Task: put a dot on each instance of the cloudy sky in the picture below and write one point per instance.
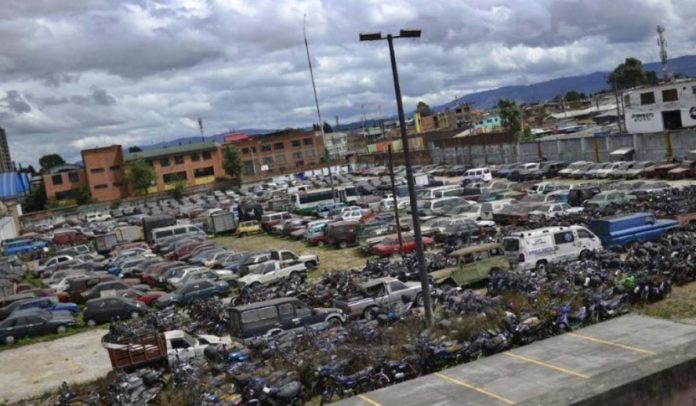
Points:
(83, 73)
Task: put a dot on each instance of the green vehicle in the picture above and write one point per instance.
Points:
(604, 199)
(474, 264)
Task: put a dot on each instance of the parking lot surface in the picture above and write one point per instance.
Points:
(32, 370)
(544, 367)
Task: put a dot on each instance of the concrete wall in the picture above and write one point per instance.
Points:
(647, 147)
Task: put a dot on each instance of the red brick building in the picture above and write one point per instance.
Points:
(62, 180)
(105, 173)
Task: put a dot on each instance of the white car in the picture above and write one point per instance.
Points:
(550, 210)
(182, 346)
(272, 271)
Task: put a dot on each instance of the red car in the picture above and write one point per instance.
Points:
(390, 244)
(69, 236)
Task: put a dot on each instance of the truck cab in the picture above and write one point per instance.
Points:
(182, 346)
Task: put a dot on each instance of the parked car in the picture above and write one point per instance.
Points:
(100, 287)
(471, 265)
(607, 198)
(376, 293)
(390, 245)
(639, 169)
(569, 170)
(69, 236)
(34, 322)
(106, 309)
(551, 210)
(201, 289)
(686, 169)
(271, 272)
(622, 231)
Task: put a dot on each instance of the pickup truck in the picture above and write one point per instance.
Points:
(378, 293)
(271, 272)
(286, 257)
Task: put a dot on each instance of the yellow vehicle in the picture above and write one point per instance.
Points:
(474, 264)
(249, 227)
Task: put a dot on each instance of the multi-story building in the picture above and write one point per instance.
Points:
(336, 144)
(105, 173)
(667, 106)
(195, 164)
(62, 180)
(280, 153)
(5, 158)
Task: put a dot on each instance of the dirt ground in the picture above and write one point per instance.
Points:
(329, 258)
(32, 370)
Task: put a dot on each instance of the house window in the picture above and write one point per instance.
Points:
(278, 146)
(248, 168)
(297, 155)
(114, 168)
(73, 177)
(297, 143)
(627, 101)
(309, 153)
(308, 141)
(206, 155)
(299, 164)
(57, 179)
(268, 161)
(203, 172)
(280, 159)
(265, 148)
(179, 160)
(102, 186)
(647, 98)
(245, 151)
(164, 161)
(96, 170)
(670, 95)
(195, 157)
(174, 177)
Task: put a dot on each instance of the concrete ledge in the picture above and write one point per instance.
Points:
(667, 378)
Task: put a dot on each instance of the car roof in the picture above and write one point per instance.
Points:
(266, 303)
(377, 281)
(475, 248)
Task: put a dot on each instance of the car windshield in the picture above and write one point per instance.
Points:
(511, 244)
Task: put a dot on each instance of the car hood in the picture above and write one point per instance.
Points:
(249, 279)
(168, 297)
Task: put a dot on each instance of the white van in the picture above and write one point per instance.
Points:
(96, 216)
(437, 192)
(180, 229)
(478, 174)
(536, 249)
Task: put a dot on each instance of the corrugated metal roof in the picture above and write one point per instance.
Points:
(179, 149)
(14, 184)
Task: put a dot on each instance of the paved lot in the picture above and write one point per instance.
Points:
(32, 370)
(541, 368)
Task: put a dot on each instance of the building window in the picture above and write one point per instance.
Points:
(164, 161)
(206, 155)
(309, 153)
(308, 141)
(202, 172)
(174, 177)
(299, 164)
(73, 177)
(248, 168)
(114, 168)
(627, 101)
(265, 148)
(670, 95)
(179, 160)
(96, 170)
(102, 186)
(297, 155)
(278, 146)
(280, 159)
(63, 195)
(117, 184)
(647, 98)
(195, 157)
(57, 179)
(693, 89)
(297, 143)
(245, 151)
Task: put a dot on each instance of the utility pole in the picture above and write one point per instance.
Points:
(662, 43)
(316, 102)
(396, 203)
(618, 109)
(200, 127)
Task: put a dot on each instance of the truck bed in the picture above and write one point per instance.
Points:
(142, 350)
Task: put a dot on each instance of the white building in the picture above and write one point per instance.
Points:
(668, 106)
(337, 144)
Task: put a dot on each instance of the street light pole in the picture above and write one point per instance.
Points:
(425, 286)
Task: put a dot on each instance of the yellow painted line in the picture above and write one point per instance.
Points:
(547, 365)
(472, 387)
(612, 343)
(369, 401)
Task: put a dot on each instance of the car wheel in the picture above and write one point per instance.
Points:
(370, 313)
(584, 254)
(9, 340)
(335, 322)
(342, 245)
(541, 266)
(311, 264)
(254, 285)
(420, 302)
(91, 323)
(135, 315)
(61, 330)
(295, 277)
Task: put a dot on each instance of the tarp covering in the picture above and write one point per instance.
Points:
(14, 184)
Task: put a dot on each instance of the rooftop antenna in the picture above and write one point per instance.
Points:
(200, 127)
(662, 43)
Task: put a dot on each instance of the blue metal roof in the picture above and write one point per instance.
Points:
(14, 184)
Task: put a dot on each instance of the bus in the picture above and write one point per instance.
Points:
(306, 202)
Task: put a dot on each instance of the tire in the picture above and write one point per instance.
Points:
(254, 285)
(311, 264)
(61, 330)
(583, 255)
(9, 340)
(342, 245)
(135, 315)
(91, 323)
(335, 322)
(541, 266)
(420, 302)
(295, 277)
(370, 313)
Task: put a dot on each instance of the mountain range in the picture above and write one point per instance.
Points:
(590, 83)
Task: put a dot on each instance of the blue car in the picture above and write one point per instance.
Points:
(39, 303)
(24, 246)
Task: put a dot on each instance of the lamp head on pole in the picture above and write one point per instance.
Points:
(370, 36)
(410, 33)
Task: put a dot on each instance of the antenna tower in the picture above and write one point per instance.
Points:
(662, 43)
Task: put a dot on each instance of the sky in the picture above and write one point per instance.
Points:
(84, 73)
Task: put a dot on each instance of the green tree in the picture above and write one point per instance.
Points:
(35, 200)
(630, 74)
(510, 116)
(423, 108)
(232, 163)
(81, 195)
(527, 134)
(49, 161)
(134, 149)
(573, 95)
(179, 189)
(140, 175)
